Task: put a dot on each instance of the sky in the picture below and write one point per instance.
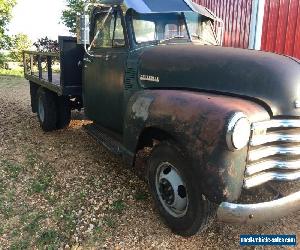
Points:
(38, 18)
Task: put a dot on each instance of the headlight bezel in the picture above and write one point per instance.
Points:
(232, 124)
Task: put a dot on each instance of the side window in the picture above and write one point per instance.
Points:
(144, 30)
(171, 30)
(108, 31)
(102, 32)
(118, 39)
(177, 29)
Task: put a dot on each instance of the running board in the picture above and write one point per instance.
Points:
(103, 137)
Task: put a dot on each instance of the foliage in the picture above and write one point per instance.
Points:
(74, 8)
(5, 41)
(19, 43)
(46, 45)
(3, 59)
(6, 7)
(13, 72)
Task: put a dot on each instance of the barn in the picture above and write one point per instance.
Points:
(269, 25)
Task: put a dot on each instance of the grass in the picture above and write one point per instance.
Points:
(35, 211)
(66, 217)
(98, 230)
(43, 179)
(82, 195)
(20, 245)
(49, 238)
(11, 80)
(51, 198)
(33, 226)
(140, 196)
(110, 222)
(6, 208)
(97, 238)
(11, 195)
(2, 186)
(118, 206)
(7, 196)
(69, 218)
(31, 158)
(15, 232)
(41, 183)
(13, 72)
(12, 169)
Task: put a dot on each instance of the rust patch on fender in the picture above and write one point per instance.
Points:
(141, 106)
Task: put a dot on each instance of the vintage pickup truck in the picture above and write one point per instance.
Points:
(152, 74)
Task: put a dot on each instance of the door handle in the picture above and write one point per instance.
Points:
(107, 57)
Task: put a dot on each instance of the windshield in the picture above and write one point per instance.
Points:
(173, 27)
(159, 27)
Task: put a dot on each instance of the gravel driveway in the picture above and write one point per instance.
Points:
(62, 189)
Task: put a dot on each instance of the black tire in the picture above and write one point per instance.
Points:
(46, 101)
(63, 113)
(198, 211)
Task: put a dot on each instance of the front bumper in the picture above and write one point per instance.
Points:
(260, 212)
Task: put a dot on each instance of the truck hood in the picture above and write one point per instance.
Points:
(271, 79)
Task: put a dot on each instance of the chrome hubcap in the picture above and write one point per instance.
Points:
(41, 110)
(171, 190)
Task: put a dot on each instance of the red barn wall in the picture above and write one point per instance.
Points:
(281, 28)
(236, 15)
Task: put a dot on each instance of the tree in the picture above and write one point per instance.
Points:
(46, 45)
(6, 7)
(19, 43)
(3, 58)
(74, 8)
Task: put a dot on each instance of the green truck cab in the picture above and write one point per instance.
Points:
(153, 74)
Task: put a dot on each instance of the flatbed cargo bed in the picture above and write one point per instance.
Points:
(58, 72)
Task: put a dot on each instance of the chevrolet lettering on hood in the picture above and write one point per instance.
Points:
(149, 78)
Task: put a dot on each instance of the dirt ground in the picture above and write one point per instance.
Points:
(63, 190)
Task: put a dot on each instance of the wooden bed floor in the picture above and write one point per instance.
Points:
(55, 77)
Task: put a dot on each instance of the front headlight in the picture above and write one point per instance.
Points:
(238, 131)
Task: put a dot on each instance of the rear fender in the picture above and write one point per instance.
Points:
(33, 96)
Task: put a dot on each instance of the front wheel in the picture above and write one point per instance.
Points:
(175, 191)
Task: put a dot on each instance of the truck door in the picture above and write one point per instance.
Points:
(104, 71)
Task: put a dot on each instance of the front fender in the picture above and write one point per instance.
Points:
(198, 122)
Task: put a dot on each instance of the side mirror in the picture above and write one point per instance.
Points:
(83, 29)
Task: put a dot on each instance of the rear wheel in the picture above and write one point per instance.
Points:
(176, 193)
(46, 110)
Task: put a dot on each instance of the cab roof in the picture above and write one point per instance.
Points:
(161, 6)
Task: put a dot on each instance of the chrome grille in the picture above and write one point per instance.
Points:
(274, 152)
